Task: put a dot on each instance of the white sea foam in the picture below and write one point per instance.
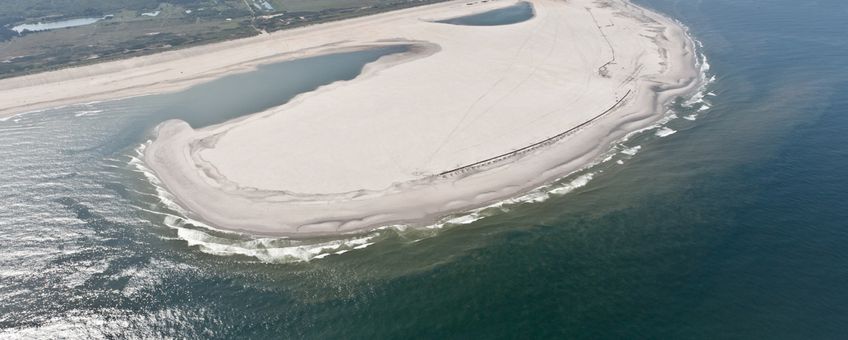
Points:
(638, 132)
(86, 113)
(631, 151)
(662, 121)
(579, 182)
(697, 98)
(164, 195)
(361, 246)
(269, 250)
(537, 195)
(544, 193)
(704, 70)
(669, 117)
(665, 131)
(396, 227)
(464, 219)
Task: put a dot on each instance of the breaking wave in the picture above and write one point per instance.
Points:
(210, 240)
(665, 131)
(214, 241)
(632, 151)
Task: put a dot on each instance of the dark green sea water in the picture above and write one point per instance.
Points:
(735, 226)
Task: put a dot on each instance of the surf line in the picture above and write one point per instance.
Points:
(531, 147)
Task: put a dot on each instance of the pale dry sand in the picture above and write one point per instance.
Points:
(375, 150)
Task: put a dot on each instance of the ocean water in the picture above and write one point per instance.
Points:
(725, 220)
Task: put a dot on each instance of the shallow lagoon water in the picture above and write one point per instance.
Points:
(232, 96)
(731, 227)
(519, 12)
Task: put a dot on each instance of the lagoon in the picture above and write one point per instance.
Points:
(519, 12)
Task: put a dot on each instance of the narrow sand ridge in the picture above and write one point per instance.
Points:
(470, 115)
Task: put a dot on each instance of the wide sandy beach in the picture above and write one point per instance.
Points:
(468, 116)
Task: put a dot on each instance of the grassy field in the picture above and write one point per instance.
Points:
(137, 27)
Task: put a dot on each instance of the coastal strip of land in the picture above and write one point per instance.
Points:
(469, 115)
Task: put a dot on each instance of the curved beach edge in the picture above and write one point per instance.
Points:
(176, 155)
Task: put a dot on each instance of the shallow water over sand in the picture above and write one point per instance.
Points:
(519, 12)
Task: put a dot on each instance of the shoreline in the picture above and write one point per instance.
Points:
(188, 161)
(174, 70)
(617, 93)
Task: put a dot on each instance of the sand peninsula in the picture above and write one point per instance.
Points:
(467, 116)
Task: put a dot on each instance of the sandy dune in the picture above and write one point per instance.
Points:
(470, 115)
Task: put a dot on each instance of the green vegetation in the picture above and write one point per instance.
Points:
(137, 27)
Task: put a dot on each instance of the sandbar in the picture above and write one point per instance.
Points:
(469, 115)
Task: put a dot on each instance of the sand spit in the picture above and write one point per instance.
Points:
(469, 116)
(474, 115)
